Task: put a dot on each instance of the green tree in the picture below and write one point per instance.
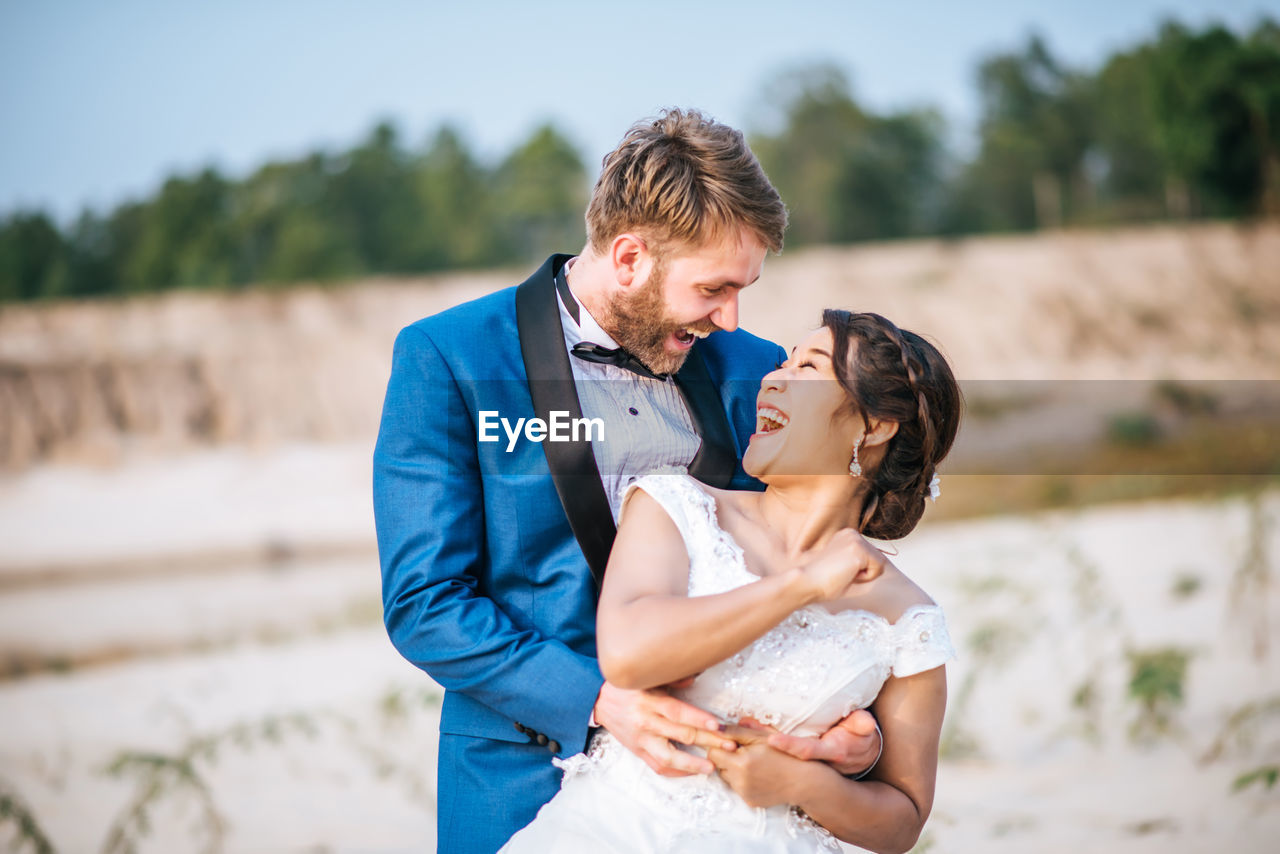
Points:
(33, 258)
(846, 173)
(1035, 130)
(816, 125)
(372, 201)
(456, 226)
(540, 193)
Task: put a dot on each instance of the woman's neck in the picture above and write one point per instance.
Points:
(803, 513)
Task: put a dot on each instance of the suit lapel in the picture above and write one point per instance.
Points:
(572, 464)
(717, 459)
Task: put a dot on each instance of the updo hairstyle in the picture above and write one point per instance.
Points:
(891, 374)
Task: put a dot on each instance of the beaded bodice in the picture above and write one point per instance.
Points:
(815, 667)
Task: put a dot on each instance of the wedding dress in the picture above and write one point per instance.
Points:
(803, 676)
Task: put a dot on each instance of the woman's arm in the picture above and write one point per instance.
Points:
(650, 632)
(884, 813)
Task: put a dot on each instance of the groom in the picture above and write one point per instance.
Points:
(511, 422)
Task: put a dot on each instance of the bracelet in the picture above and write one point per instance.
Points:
(878, 755)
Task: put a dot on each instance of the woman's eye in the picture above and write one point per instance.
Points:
(807, 365)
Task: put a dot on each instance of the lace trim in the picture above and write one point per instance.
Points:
(799, 823)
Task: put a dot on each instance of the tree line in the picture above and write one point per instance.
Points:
(1184, 125)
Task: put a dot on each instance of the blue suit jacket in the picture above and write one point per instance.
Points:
(488, 555)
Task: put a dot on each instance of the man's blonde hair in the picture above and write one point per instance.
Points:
(683, 180)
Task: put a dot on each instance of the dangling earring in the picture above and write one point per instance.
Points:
(855, 467)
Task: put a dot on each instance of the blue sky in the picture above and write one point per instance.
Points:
(99, 101)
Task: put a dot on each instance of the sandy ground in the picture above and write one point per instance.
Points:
(1038, 606)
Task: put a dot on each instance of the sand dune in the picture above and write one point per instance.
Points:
(91, 382)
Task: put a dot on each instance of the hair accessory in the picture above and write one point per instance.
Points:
(855, 467)
(935, 488)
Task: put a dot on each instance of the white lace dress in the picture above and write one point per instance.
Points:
(802, 677)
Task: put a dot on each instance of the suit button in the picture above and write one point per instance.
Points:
(541, 739)
(553, 746)
(521, 728)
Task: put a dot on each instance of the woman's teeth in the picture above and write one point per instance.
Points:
(769, 420)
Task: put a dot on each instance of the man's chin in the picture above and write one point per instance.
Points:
(667, 362)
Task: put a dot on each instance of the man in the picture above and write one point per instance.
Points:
(509, 426)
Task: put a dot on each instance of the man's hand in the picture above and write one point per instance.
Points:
(851, 746)
(647, 722)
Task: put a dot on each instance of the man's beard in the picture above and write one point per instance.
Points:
(640, 324)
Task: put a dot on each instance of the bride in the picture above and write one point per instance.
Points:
(784, 615)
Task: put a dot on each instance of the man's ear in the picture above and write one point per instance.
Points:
(879, 433)
(631, 259)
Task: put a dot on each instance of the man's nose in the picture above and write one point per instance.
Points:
(726, 315)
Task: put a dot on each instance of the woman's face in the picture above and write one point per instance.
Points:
(803, 422)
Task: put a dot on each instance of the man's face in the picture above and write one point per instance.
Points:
(686, 296)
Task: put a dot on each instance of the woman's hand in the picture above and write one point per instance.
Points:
(759, 774)
(847, 558)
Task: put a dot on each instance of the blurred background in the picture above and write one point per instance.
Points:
(214, 218)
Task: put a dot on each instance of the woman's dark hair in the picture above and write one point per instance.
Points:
(895, 375)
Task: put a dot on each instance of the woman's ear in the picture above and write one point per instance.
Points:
(879, 432)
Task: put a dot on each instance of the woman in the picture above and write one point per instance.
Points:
(789, 618)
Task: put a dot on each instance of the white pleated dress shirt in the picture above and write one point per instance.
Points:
(646, 422)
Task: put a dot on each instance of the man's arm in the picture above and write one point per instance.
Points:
(852, 746)
(429, 510)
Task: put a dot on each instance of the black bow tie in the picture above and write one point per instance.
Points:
(619, 357)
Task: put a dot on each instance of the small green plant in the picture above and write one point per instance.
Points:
(1240, 731)
(1134, 429)
(29, 834)
(991, 645)
(1156, 682)
(1186, 585)
(1250, 583)
(160, 775)
(182, 773)
(1265, 776)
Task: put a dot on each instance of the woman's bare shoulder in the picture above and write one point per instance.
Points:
(890, 596)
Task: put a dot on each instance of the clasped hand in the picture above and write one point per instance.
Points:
(767, 765)
(648, 722)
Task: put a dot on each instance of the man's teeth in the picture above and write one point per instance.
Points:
(769, 419)
(695, 333)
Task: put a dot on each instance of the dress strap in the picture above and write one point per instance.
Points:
(716, 563)
(672, 488)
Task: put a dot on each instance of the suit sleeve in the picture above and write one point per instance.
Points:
(429, 512)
